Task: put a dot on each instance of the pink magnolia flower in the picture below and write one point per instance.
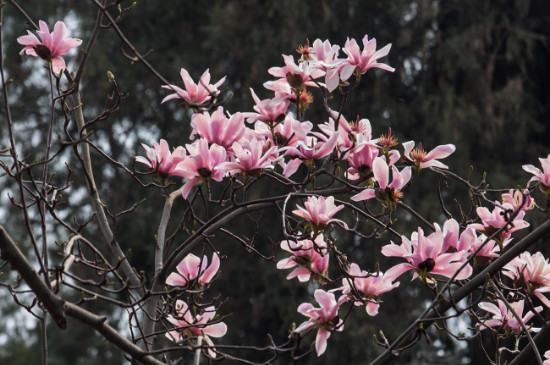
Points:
(467, 242)
(360, 161)
(425, 256)
(491, 221)
(543, 177)
(51, 46)
(453, 239)
(189, 326)
(296, 76)
(161, 159)
(202, 164)
(502, 317)
(364, 287)
(193, 268)
(386, 191)
(488, 252)
(363, 60)
(308, 151)
(423, 160)
(324, 56)
(349, 133)
(251, 158)
(287, 133)
(308, 258)
(319, 211)
(519, 199)
(547, 358)
(268, 110)
(531, 271)
(324, 318)
(194, 94)
(216, 128)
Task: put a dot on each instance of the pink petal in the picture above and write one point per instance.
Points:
(58, 64)
(440, 152)
(211, 270)
(381, 172)
(397, 270)
(325, 299)
(364, 195)
(175, 279)
(216, 330)
(188, 186)
(291, 167)
(347, 71)
(372, 308)
(321, 341)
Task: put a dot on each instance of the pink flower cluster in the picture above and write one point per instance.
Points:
(273, 138)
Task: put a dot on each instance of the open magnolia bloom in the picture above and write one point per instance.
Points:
(194, 94)
(308, 258)
(362, 61)
(203, 164)
(268, 111)
(319, 211)
(194, 268)
(160, 158)
(531, 272)
(217, 128)
(324, 318)
(251, 158)
(297, 76)
(366, 287)
(425, 255)
(519, 199)
(189, 326)
(50, 46)
(309, 150)
(502, 317)
(387, 191)
(543, 177)
(498, 218)
(422, 159)
(324, 56)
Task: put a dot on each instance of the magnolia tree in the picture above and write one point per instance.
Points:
(340, 178)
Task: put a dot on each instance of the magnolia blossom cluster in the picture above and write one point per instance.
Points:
(274, 137)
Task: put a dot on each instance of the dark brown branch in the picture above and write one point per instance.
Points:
(109, 333)
(11, 253)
